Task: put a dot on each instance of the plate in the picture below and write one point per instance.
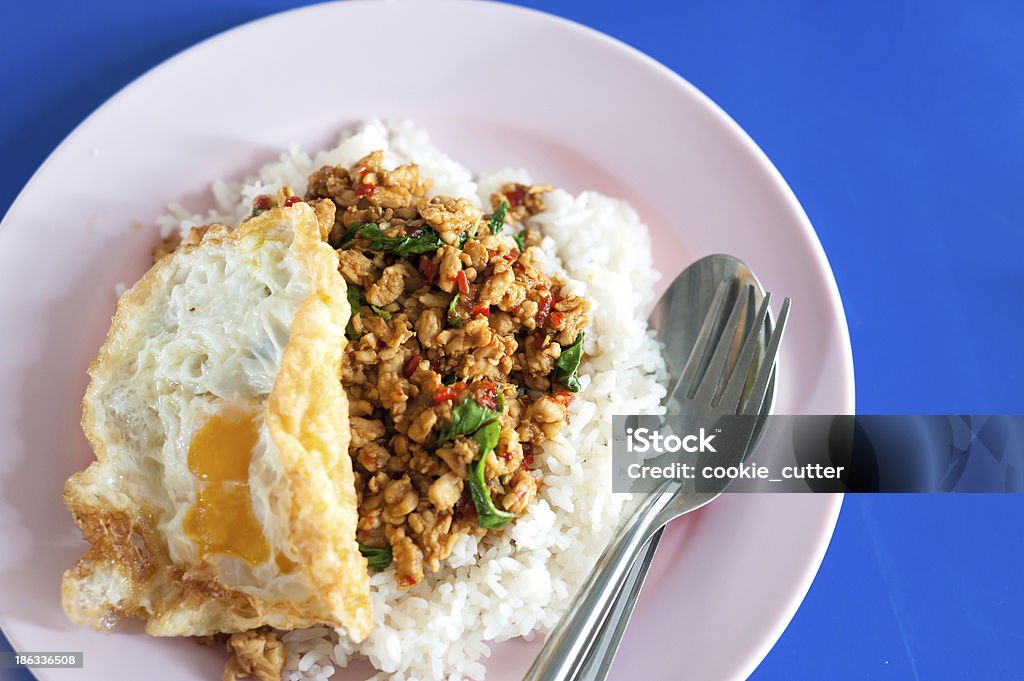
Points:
(517, 87)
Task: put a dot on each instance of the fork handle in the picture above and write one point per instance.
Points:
(568, 643)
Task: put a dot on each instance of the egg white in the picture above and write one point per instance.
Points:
(205, 337)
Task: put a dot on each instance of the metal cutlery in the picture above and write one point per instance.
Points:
(676, 319)
(708, 391)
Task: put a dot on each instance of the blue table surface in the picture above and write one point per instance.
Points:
(899, 126)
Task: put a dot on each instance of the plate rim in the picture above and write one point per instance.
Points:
(823, 269)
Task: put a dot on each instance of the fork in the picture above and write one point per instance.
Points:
(703, 396)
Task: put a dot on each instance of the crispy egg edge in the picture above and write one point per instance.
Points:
(306, 415)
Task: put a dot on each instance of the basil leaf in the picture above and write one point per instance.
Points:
(487, 514)
(498, 217)
(467, 417)
(520, 240)
(568, 365)
(377, 559)
(463, 238)
(427, 241)
(350, 233)
(487, 436)
(383, 314)
(354, 298)
(453, 313)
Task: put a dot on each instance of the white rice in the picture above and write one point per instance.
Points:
(520, 581)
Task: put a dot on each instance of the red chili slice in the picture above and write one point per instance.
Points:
(543, 310)
(487, 394)
(515, 197)
(444, 394)
(462, 282)
(411, 365)
(292, 200)
(366, 189)
(262, 202)
(557, 318)
(484, 310)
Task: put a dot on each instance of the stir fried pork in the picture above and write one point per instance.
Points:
(462, 358)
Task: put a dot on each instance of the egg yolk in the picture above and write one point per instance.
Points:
(285, 564)
(222, 449)
(222, 520)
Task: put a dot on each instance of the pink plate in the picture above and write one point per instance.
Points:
(581, 110)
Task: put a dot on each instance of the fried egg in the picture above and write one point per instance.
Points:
(222, 495)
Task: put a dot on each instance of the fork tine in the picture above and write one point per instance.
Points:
(700, 347)
(713, 376)
(764, 372)
(741, 371)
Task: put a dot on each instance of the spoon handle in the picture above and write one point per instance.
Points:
(568, 643)
(606, 643)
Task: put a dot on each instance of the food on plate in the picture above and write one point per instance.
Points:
(474, 335)
(222, 498)
(461, 361)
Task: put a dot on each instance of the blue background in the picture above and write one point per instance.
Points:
(898, 125)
